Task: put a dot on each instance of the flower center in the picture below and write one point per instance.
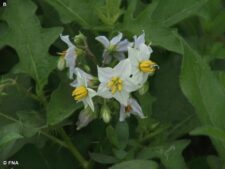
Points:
(128, 109)
(80, 93)
(112, 48)
(115, 84)
(147, 66)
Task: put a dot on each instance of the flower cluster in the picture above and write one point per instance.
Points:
(124, 69)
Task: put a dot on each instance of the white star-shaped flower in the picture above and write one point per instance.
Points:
(115, 82)
(83, 74)
(83, 93)
(132, 108)
(139, 40)
(141, 65)
(69, 55)
(114, 47)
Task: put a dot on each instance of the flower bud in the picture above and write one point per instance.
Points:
(85, 117)
(80, 52)
(61, 64)
(79, 39)
(144, 89)
(87, 68)
(105, 113)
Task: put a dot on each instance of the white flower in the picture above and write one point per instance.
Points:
(83, 93)
(138, 41)
(85, 117)
(141, 65)
(132, 108)
(114, 47)
(83, 74)
(115, 82)
(69, 55)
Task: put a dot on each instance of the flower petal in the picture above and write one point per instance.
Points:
(122, 97)
(103, 91)
(70, 58)
(106, 57)
(123, 45)
(136, 108)
(123, 69)
(123, 114)
(145, 51)
(67, 40)
(91, 92)
(116, 39)
(139, 40)
(88, 101)
(105, 74)
(130, 85)
(80, 80)
(120, 56)
(103, 40)
(74, 83)
(133, 55)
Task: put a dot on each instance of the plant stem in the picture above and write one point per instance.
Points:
(70, 146)
(54, 139)
(89, 52)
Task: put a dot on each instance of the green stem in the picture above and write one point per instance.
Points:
(54, 139)
(70, 146)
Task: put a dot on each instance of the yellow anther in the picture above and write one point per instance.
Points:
(80, 93)
(115, 84)
(62, 54)
(147, 66)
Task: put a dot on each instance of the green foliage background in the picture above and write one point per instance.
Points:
(185, 103)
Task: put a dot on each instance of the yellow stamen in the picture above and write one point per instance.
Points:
(115, 84)
(62, 54)
(147, 66)
(80, 93)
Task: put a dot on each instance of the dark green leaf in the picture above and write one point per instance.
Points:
(169, 14)
(30, 40)
(136, 164)
(210, 131)
(76, 10)
(61, 104)
(204, 91)
(122, 131)
(102, 158)
(169, 154)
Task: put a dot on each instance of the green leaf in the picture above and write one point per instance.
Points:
(204, 91)
(36, 158)
(112, 136)
(122, 131)
(102, 158)
(210, 131)
(110, 12)
(61, 104)
(156, 17)
(9, 133)
(169, 14)
(31, 122)
(75, 10)
(136, 164)
(30, 40)
(169, 154)
(214, 162)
